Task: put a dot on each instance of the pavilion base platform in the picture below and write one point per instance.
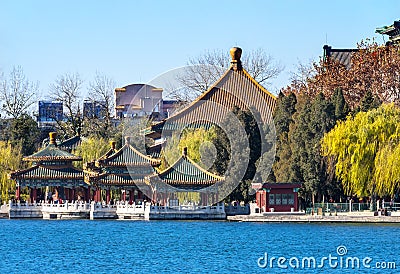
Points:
(23, 210)
(102, 211)
(75, 210)
(125, 211)
(189, 212)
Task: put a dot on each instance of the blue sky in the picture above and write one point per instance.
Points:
(134, 41)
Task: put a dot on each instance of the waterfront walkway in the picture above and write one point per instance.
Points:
(301, 217)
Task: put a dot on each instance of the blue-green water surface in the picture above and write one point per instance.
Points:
(84, 246)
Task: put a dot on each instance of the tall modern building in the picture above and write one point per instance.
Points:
(49, 113)
(94, 109)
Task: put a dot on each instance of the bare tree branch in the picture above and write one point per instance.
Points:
(65, 89)
(101, 91)
(204, 70)
(17, 93)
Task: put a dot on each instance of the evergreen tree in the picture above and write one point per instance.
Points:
(25, 129)
(237, 157)
(311, 123)
(368, 102)
(342, 109)
(283, 119)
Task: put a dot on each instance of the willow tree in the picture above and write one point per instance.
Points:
(366, 148)
(91, 149)
(10, 159)
(198, 143)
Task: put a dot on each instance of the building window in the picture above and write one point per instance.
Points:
(290, 199)
(271, 199)
(285, 199)
(278, 199)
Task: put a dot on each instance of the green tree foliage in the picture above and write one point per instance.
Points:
(198, 142)
(91, 149)
(312, 122)
(25, 128)
(283, 118)
(366, 148)
(368, 102)
(239, 147)
(10, 159)
(299, 132)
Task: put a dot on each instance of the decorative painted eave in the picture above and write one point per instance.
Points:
(110, 179)
(39, 172)
(389, 30)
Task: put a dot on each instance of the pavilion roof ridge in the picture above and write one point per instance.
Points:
(186, 159)
(118, 156)
(50, 153)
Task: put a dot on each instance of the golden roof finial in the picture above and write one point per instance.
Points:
(236, 53)
(53, 136)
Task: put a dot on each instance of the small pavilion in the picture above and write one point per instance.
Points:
(124, 170)
(52, 171)
(183, 182)
(277, 197)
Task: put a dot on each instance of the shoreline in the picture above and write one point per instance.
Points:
(297, 218)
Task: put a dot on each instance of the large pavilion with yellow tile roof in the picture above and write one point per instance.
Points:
(236, 88)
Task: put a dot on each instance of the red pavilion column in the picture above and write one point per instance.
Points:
(124, 195)
(34, 194)
(17, 192)
(108, 196)
(131, 196)
(98, 195)
(73, 194)
(30, 195)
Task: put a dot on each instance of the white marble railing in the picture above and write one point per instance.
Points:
(66, 207)
(19, 205)
(133, 208)
(97, 206)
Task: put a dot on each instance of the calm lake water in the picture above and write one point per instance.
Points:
(83, 246)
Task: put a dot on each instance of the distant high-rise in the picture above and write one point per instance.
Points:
(49, 113)
(94, 109)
